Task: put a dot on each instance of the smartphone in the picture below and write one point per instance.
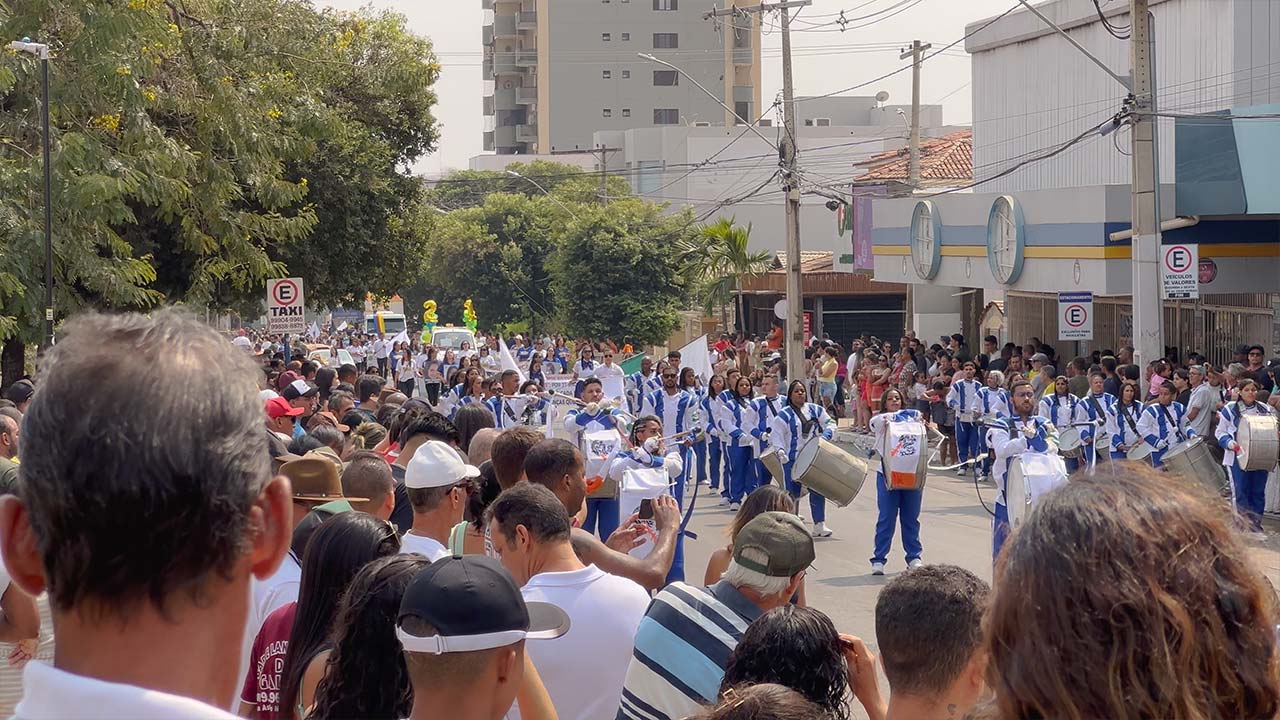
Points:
(646, 510)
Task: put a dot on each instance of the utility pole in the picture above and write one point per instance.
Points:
(916, 53)
(602, 154)
(790, 184)
(1148, 330)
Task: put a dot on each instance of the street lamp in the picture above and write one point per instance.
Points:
(556, 200)
(41, 50)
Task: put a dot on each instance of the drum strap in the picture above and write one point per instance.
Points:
(1165, 411)
(1124, 413)
(1097, 409)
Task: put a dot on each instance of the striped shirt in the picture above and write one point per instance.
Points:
(682, 647)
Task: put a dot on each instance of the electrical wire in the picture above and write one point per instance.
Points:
(1116, 31)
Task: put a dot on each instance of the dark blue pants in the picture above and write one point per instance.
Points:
(715, 462)
(700, 457)
(676, 573)
(968, 440)
(897, 506)
(741, 472)
(999, 531)
(602, 515)
(817, 503)
(1251, 493)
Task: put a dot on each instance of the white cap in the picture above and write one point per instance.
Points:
(265, 395)
(436, 464)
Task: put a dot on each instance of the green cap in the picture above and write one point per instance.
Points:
(780, 538)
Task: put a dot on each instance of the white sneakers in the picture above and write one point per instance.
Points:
(960, 470)
(877, 568)
(734, 506)
(915, 564)
(821, 530)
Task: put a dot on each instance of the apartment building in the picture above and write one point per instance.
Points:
(557, 71)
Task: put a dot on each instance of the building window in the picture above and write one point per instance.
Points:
(664, 4)
(606, 74)
(605, 37)
(742, 109)
(666, 116)
(608, 112)
(626, 37)
(626, 112)
(665, 78)
(626, 74)
(666, 41)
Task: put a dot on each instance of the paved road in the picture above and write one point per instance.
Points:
(955, 529)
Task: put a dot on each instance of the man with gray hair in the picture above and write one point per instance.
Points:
(689, 627)
(143, 530)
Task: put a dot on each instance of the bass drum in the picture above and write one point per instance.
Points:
(829, 471)
(1259, 442)
(1192, 460)
(1030, 477)
(772, 462)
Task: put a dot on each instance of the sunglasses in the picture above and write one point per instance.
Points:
(665, 376)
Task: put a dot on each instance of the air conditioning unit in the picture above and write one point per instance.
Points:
(765, 122)
(701, 123)
(822, 122)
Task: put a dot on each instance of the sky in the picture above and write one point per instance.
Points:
(824, 59)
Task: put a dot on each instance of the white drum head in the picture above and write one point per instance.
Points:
(804, 457)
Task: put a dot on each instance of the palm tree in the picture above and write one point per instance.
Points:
(717, 259)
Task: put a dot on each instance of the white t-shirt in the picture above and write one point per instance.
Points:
(243, 343)
(269, 595)
(1203, 396)
(48, 692)
(584, 669)
(428, 547)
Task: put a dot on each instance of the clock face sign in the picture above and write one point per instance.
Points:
(1006, 243)
(926, 240)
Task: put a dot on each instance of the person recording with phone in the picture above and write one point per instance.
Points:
(649, 450)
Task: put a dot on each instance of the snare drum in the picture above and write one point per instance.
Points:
(1192, 460)
(1070, 443)
(1141, 451)
(1030, 477)
(829, 471)
(1259, 442)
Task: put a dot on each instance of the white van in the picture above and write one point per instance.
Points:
(392, 323)
(448, 337)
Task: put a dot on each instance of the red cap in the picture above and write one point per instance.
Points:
(279, 407)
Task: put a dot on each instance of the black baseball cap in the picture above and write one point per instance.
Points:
(20, 391)
(473, 603)
(297, 389)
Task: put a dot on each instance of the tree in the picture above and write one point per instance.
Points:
(616, 275)
(717, 258)
(568, 183)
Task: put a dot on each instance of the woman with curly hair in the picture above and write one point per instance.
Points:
(799, 648)
(366, 675)
(1127, 594)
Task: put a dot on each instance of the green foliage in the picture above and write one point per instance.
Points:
(717, 257)
(616, 274)
(567, 183)
(201, 147)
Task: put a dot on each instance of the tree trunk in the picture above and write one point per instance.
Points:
(13, 360)
(724, 316)
(742, 317)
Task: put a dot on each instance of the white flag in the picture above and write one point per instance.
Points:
(402, 336)
(509, 362)
(343, 326)
(695, 355)
(315, 329)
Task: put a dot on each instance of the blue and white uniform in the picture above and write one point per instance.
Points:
(639, 386)
(713, 444)
(788, 432)
(965, 400)
(995, 404)
(602, 513)
(1250, 485)
(1163, 427)
(1122, 428)
(675, 410)
(638, 457)
(509, 412)
(467, 400)
(766, 410)
(1009, 440)
(1096, 410)
(736, 421)
(900, 505)
(1064, 412)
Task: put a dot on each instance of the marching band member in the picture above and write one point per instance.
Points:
(640, 384)
(766, 407)
(1250, 485)
(1023, 432)
(454, 398)
(649, 450)
(475, 394)
(537, 404)
(508, 407)
(737, 419)
(1122, 425)
(714, 440)
(690, 383)
(595, 414)
(1094, 408)
(995, 405)
(900, 505)
(1164, 423)
(796, 423)
(1061, 408)
(676, 408)
(964, 397)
